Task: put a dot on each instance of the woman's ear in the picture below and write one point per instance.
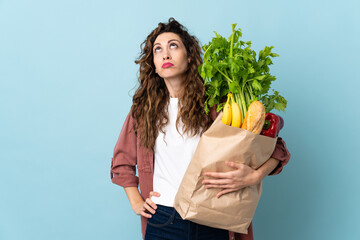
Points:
(188, 60)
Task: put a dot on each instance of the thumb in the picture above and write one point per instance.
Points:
(156, 194)
(233, 164)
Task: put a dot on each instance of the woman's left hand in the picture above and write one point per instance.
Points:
(231, 181)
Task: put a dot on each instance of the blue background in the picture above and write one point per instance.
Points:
(67, 75)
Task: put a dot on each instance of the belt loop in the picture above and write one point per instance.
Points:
(173, 216)
(197, 231)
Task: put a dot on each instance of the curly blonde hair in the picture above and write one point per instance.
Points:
(150, 101)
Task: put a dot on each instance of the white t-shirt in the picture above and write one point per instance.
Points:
(172, 157)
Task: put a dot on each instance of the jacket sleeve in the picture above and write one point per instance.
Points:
(124, 160)
(282, 154)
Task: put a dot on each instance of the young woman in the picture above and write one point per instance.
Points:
(160, 135)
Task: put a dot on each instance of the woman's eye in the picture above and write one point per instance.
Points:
(173, 44)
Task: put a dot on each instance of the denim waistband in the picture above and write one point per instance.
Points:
(169, 210)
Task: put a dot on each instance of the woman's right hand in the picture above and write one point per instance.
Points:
(145, 207)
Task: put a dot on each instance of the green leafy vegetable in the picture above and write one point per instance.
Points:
(231, 66)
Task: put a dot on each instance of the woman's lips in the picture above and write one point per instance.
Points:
(166, 65)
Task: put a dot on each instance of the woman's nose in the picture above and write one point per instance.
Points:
(166, 55)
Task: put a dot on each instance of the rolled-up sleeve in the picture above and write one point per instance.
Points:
(282, 154)
(124, 160)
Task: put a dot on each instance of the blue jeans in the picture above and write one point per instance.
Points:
(166, 224)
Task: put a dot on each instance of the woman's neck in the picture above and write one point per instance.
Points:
(174, 87)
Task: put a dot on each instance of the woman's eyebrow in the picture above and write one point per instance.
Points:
(168, 41)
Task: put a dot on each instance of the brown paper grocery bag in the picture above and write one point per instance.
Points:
(233, 211)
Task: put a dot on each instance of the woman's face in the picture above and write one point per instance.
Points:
(170, 57)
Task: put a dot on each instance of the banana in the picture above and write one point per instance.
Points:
(236, 114)
(227, 112)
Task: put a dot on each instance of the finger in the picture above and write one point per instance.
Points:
(149, 208)
(227, 186)
(143, 213)
(225, 191)
(219, 174)
(151, 203)
(216, 181)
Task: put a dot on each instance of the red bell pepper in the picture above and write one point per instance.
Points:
(273, 124)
